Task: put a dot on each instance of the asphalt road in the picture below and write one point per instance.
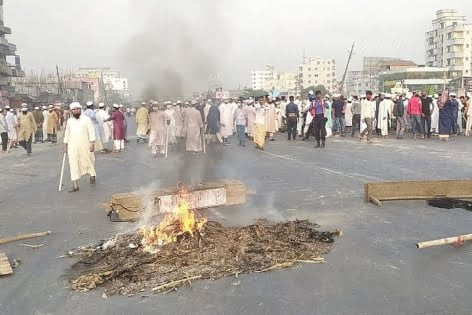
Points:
(373, 269)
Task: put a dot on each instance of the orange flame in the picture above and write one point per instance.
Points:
(182, 220)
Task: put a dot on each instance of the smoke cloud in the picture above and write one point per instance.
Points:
(180, 46)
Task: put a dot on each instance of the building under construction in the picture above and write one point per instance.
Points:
(10, 65)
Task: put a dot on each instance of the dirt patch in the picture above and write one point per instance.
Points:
(122, 267)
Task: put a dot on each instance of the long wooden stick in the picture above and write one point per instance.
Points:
(445, 241)
(62, 171)
(23, 237)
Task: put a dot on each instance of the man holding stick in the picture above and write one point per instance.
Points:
(79, 145)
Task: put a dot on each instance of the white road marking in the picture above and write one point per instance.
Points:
(328, 170)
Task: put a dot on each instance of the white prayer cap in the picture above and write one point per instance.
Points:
(363, 96)
(327, 96)
(452, 94)
(194, 102)
(186, 103)
(311, 92)
(115, 106)
(388, 95)
(101, 104)
(73, 105)
(121, 106)
(45, 107)
(24, 105)
(436, 96)
(430, 95)
(24, 109)
(51, 106)
(209, 100)
(7, 107)
(178, 102)
(143, 103)
(36, 107)
(89, 103)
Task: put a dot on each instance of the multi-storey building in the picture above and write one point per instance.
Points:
(10, 65)
(359, 82)
(260, 78)
(284, 82)
(318, 71)
(449, 44)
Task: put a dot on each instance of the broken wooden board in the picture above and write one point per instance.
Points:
(5, 268)
(417, 190)
(131, 206)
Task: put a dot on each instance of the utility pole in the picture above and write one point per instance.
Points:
(347, 67)
(60, 83)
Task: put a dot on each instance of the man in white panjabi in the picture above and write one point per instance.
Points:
(104, 126)
(169, 113)
(384, 114)
(79, 144)
(226, 121)
(271, 120)
(193, 125)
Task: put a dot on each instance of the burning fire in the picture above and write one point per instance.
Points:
(182, 220)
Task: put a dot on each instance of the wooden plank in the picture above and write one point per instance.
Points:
(5, 268)
(130, 206)
(418, 190)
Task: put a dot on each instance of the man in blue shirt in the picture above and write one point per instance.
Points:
(318, 109)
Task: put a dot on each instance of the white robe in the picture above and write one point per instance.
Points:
(45, 124)
(12, 122)
(348, 115)
(78, 135)
(226, 120)
(383, 118)
(435, 117)
(169, 115)
(104, 126)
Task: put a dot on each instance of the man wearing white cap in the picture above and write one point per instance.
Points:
(178, 120)
(226, 121)
(193, 125)
(142, 123)
(79, 142)
(53, 122)
(90, 113)
(38, 117)
(45, 123)
(118, 129)
(104, 126)
(384, 114)
(26, 129)
(157, 136)
(12, 123)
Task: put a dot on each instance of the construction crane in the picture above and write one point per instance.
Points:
(347, 67)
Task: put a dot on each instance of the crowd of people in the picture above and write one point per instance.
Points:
(164, 125)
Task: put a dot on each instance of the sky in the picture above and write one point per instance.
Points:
(180, 45)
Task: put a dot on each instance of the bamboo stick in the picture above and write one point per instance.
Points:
(445, 241)
(23, 237)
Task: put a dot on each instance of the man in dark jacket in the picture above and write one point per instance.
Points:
(400, 115)
(292, 115)
(426, 103)
(213, 122)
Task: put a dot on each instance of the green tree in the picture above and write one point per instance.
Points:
(254, 93)
(320, 88)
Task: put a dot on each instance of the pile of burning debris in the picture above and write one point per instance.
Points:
(185, 247)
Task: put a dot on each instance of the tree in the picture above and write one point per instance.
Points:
(320, 88)
(254, 93)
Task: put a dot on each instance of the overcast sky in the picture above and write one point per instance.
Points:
(220, 38)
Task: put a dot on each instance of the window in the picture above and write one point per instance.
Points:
(309, 69)
(309, 75)
(309, 81)
(318, 63)
(316, 75)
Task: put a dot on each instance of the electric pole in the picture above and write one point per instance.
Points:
(347, 67)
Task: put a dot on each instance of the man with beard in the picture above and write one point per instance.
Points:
(142, 123)
(39, 118)
(26, 129)
(79, 145)
(53, 122)
(118, 129)
(193, 125)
